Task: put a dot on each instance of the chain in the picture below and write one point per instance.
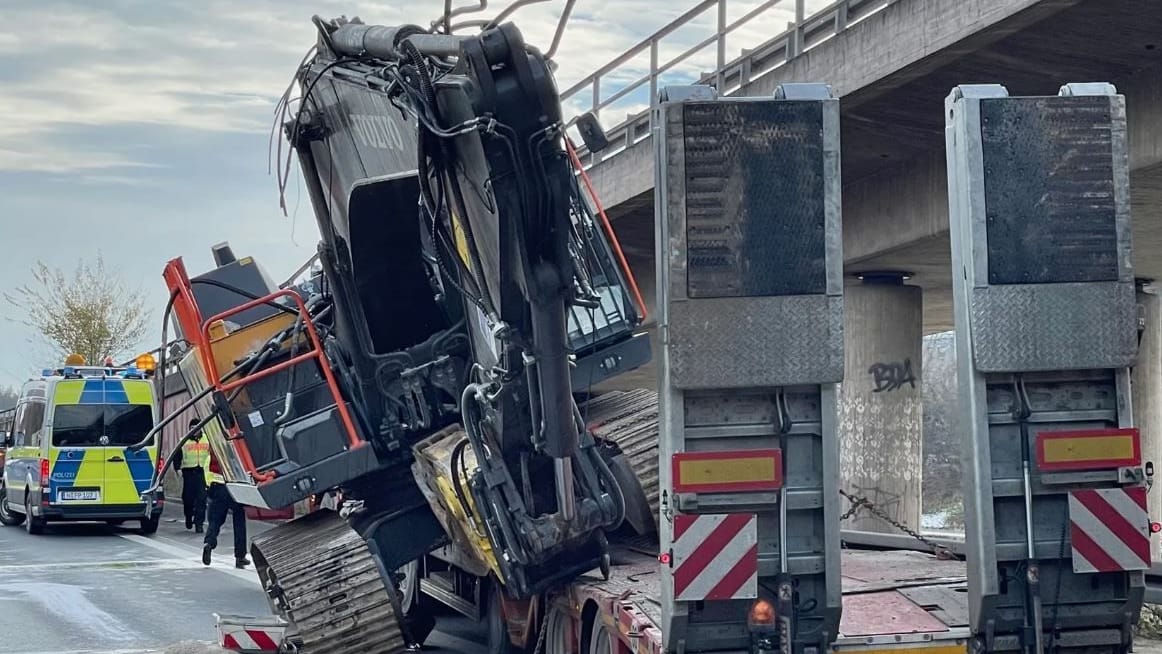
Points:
(859, 502)
(544, 630)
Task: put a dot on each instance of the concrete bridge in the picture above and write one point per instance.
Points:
(892, 63)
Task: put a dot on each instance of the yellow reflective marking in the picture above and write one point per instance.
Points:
(939, 649)
(727, 471)
(69, 392)
(138, 392)
(1088, 448)
(119, 487)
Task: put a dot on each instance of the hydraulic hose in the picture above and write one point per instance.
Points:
(470, 411)
(159, 473)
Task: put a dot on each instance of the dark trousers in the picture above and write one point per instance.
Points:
(194, 495)
(220, 503)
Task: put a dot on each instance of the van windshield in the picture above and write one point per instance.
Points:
(90, 425)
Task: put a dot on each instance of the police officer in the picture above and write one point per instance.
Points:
(193, 459)
(221, 503)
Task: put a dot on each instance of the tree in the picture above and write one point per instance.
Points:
(8, 397)
(90, 312)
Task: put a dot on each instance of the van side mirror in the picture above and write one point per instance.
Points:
(7, 441)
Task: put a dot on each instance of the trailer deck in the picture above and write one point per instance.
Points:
(899, 598)
(892, 600)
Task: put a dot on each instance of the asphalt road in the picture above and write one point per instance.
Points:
(94, 589)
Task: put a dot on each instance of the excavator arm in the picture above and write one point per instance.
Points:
(497, 191)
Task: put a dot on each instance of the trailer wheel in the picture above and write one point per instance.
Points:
(558, 628)
(498, 640)
(409, 586)
(417, 613)
(600, 640)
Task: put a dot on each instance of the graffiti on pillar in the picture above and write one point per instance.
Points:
(885, 500)
(892, 376)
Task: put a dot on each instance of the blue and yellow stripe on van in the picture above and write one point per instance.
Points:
(121, 482)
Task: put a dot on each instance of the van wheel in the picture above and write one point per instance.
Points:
(8, 517)
(32, 524)
(149, 525)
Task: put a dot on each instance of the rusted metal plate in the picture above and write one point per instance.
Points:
(886, 612)
(633, 577)
(755, 193)
(1049, 190)
(869, 570)
(949, 604)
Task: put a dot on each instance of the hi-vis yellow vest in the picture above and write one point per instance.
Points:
(195, 454)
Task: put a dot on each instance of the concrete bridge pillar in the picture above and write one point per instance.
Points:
(880, 415)
(1146, 389)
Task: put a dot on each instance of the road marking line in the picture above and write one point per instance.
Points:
(150, 650)
(446, 641)
(154, 564)
(183, 551)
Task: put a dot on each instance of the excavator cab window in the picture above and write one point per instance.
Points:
(391, 280)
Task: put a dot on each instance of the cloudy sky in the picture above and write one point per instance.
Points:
(139, 128)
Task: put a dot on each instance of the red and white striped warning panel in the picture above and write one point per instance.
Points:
(250, 635)
(1109, 529)
(251, 640)
(715, 557)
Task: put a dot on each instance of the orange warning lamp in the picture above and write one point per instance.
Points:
(74, 359)
(145, 363)
(762, 612)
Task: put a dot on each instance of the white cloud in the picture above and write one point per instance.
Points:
(222, 67)
(85, 82)
(45, 159)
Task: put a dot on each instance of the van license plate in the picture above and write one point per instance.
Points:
(79, 495)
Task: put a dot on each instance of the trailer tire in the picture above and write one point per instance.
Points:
(558, 638)
(600, 640)
(498, 639)
(417, 614)
(409, 587)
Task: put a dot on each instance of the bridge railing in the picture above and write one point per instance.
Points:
(801, 34)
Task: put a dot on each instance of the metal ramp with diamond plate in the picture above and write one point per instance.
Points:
(1046, 330)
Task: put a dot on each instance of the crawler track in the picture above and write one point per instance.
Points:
(321, 576)
(630, 419)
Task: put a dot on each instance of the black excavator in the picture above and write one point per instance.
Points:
(435, 368)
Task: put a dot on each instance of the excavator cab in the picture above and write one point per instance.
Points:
(280, 426)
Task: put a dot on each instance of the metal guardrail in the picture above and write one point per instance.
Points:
(802, 34)
(952, 542)
(1153, 594)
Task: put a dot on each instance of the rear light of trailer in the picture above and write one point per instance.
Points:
(761, 614)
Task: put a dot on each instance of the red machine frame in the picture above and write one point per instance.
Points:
(197, 331)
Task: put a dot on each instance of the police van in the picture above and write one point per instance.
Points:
(68, 456)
